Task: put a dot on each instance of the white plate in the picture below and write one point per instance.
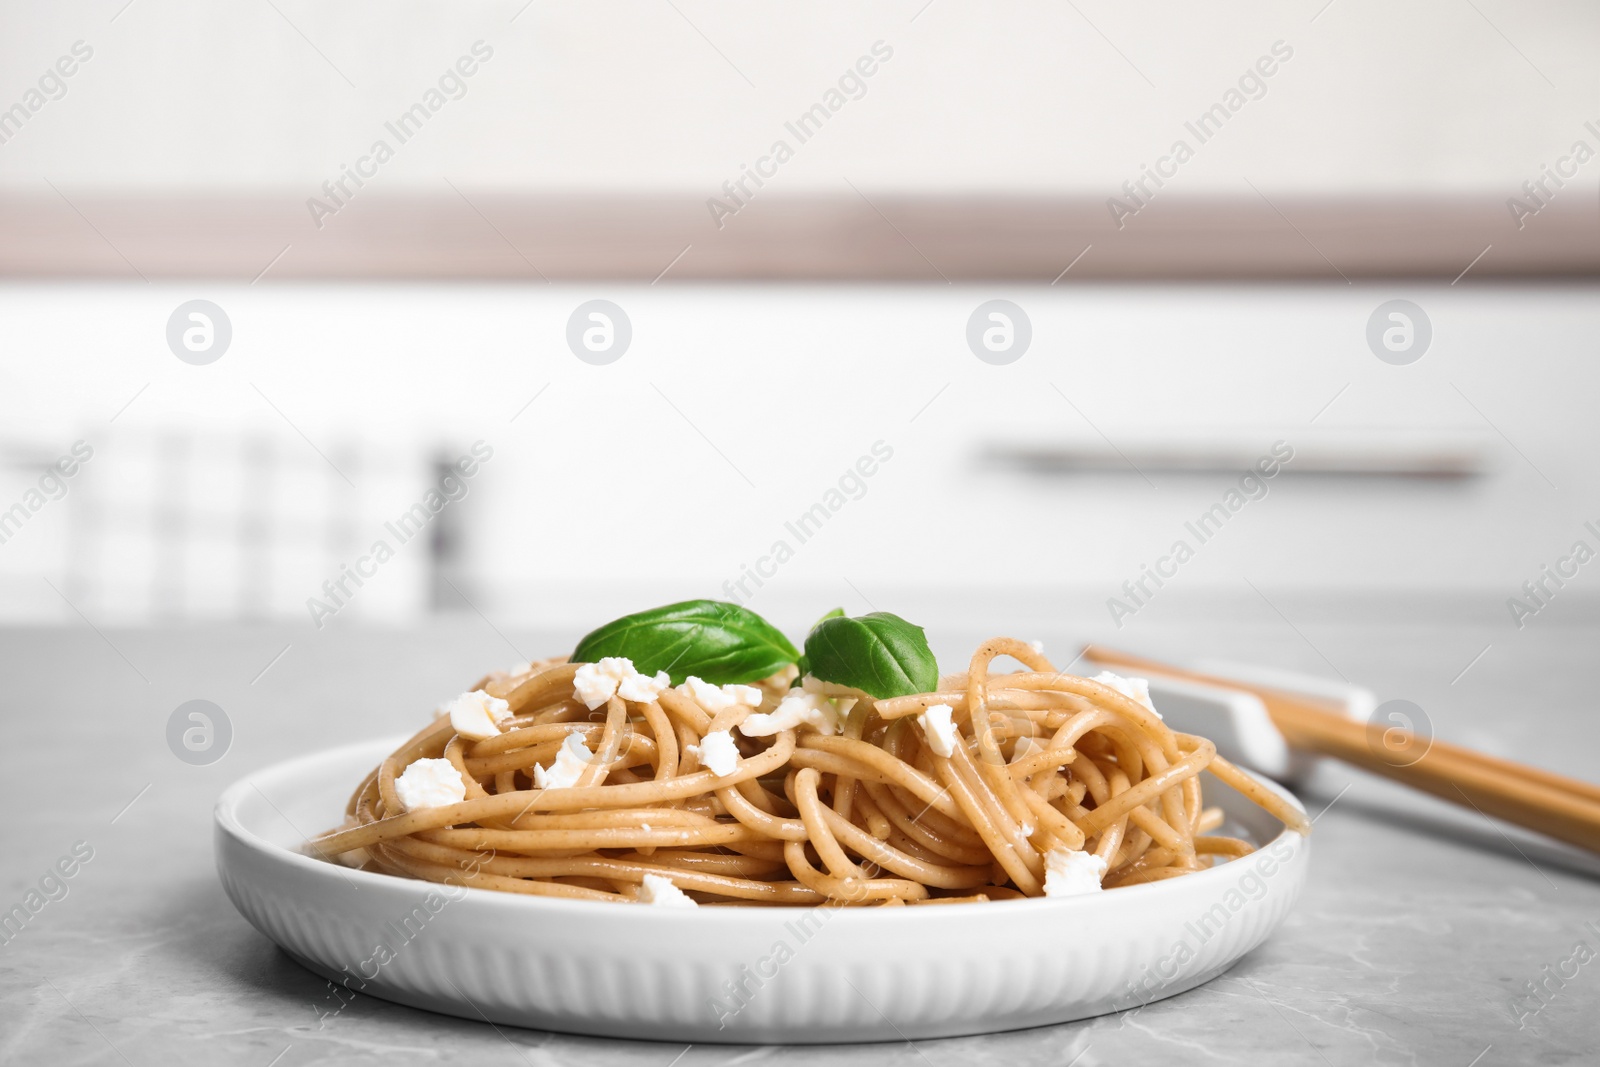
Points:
(804, 975)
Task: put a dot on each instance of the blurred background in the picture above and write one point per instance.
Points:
(348, 351)
(397, 216)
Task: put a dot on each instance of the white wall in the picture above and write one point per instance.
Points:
(1018, 94)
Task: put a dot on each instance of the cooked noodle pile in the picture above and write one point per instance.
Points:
(1049, 779)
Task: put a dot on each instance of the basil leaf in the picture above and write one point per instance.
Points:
(805, 664)
(880, 654)
(719, 642)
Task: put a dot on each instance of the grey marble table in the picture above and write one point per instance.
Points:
(1417, 942)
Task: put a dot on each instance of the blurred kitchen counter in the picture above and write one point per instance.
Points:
(1420, 929)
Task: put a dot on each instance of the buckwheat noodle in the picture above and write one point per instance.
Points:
(1043, 760)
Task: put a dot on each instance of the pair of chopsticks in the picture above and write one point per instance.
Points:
(1563, 808)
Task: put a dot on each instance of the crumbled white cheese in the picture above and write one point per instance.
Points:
(642, 688)
(596, 683)
(1026, 829)
(430, 783)
(708, 696)
(1137, 689)
(477, 715)
(718, 753)
(1037, 646)
(1069, 871)
(570, 761)
(518, 669)
(715, 698)
(939, 730)
(658, 889)
(799, 709)
(748, 695)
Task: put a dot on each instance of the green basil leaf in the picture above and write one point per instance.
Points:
(805, 664)
(719, 642)
(880, 654)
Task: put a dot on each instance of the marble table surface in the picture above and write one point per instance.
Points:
(1418, 940)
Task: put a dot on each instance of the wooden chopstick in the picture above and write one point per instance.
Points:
(1289, 704)
(1563, 808)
